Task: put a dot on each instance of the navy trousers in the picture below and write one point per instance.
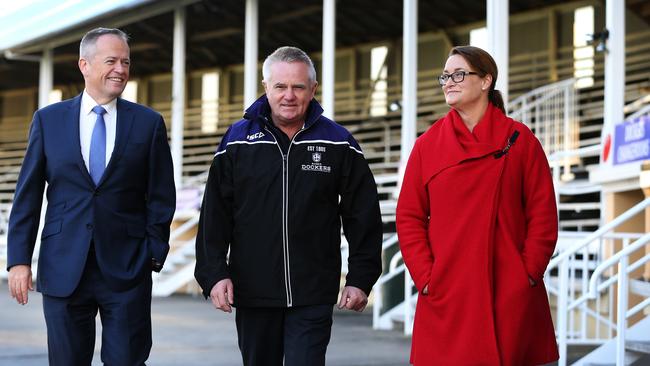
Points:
(125, 317)
(297, 335)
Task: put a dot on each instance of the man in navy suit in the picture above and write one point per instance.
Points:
(111, 199)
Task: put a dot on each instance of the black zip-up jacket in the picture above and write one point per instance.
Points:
(280, 213)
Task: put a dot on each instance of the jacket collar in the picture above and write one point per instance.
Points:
(261, 108)
(454, 143)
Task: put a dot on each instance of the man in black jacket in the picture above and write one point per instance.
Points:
(281, 183)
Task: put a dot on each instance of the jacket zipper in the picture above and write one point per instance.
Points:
(285, 214)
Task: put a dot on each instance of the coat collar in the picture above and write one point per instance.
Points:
(454, 143)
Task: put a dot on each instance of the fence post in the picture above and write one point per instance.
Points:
(568, 138)
(562, 306)
(621, 316)
(408, 318)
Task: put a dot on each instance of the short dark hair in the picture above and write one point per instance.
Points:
(87, 45)
(483, 64)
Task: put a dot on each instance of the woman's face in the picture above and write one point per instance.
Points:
(470, 90)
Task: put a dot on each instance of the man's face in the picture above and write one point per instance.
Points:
(289, 92)
(106, 70)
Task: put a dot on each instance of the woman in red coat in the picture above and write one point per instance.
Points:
(477, 225)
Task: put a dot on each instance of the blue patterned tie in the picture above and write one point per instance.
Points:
(97, 159)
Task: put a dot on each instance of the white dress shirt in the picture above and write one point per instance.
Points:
(87, 120)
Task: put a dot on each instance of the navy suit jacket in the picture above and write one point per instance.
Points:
(127, 215)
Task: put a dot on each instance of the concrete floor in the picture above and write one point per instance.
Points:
(189, 331)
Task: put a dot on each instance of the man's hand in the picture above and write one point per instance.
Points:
(222, 295)
(20, 282)
(353, 298)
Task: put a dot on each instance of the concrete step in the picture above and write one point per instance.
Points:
(564, 224)
(578, 206)
(643, 361)
(638, 346)
(605, 355)
(576, 187)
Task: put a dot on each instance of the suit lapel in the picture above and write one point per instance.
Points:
(71, 121)
(123, 129)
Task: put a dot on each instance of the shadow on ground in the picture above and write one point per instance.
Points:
(188, 331)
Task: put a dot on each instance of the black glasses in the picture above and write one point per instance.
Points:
(456, 77)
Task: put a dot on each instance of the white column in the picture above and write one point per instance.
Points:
(178, 95)
(498, 40)
(409, 80)
(45, 78)
(250, 53)
(329, 57)
(614, 65)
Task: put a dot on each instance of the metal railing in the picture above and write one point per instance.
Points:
(642, 111)
(576, 315)
(551, 113)
(382, 318)
(622, 260)
(179, 267)
(5, 208)
(556, 160)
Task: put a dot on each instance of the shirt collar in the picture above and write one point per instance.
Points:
(88, 103)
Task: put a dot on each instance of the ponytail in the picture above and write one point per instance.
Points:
(494, 96)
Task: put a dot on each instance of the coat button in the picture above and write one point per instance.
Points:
(89, 226)
(96, 193)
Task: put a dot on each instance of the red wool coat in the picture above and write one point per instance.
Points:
(474, 228)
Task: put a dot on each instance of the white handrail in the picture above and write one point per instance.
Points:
(598, 233)
(551, 113)
(389, 242)
(393, 272)
(390, 275)
(641, 112)
(565, 307)
(587, 151)
(185, 227)
(625, 252)
(394, 261)
(621, 308)
(542, 90)
(593, 293)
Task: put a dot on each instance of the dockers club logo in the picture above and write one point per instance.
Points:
(316, 158)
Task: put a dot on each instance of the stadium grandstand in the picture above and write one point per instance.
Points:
(577, 72)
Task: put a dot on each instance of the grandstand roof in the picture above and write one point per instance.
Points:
(28, 21)
(215, 29)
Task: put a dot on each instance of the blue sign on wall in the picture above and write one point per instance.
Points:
(632, 141)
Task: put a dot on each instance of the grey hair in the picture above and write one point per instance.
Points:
(89, 40)
(288, 54)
